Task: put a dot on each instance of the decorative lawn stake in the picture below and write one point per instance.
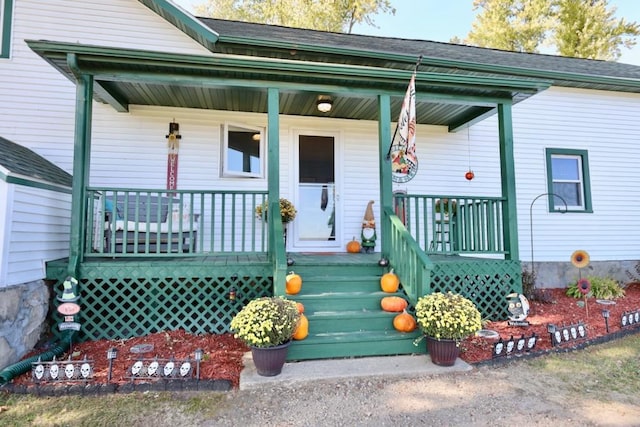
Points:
(584, 286)
(518, 309)
(69, 307)
(514, 346)
(580, 259)
(566, 333)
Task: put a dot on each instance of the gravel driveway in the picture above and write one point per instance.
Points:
(513, 394)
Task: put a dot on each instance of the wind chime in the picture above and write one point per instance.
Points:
(173, 139)
(469, 175)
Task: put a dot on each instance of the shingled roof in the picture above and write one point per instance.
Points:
(563, 71)
(21, 163)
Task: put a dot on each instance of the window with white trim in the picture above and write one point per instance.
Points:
(242, 151)
(6, 17)
(568, 180)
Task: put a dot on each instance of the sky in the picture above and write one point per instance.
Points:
(440, 20)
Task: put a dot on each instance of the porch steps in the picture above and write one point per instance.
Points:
(342, 303)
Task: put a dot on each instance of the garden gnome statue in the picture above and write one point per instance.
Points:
(368, 234)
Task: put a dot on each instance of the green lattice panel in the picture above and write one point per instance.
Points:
(124, 301)
(486, 283)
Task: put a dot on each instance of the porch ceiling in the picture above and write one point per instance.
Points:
(239, 83)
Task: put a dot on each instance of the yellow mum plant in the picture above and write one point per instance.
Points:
(266, 322)
(287, 210)
(447, 316)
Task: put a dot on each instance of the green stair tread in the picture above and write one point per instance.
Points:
(355, 344)
(342, 304)
(347, 314)
(342, 278)
(343, 294)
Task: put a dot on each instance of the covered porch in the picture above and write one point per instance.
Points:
(208, 241)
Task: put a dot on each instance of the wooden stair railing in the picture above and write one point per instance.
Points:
(410, 263)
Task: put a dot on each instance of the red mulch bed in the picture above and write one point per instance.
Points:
(559, 309)
(223, 353)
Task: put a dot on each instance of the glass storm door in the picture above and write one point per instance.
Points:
(317, 220)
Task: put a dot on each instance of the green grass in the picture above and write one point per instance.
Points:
(612, 370)
(612, 367)
(139, 409)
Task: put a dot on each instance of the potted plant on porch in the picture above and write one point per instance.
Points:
(266, 325)
(445, 319)
(287, 213)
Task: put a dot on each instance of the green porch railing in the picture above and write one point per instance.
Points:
(449, 224)
(147, 222)
(410, 263)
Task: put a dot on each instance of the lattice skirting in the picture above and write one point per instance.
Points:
(485, 282)
(124, 301)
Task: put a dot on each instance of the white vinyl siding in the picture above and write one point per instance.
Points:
(42, 101)
(6, 21)
(37, 231)
(606, 125)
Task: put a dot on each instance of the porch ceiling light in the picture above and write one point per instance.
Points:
(324, 105)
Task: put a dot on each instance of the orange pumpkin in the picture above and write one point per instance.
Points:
(389, 282)
(404, 322)
(300, 307)
(294, 283)
(302, 330)
(393, 304)
(353, 247)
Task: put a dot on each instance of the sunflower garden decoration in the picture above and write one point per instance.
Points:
(580, 259)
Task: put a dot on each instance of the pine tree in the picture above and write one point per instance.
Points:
(588, 29)
(516, 25)
(577, 28)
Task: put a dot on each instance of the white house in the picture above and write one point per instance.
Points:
(110, 92)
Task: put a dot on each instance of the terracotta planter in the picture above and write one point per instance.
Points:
(270, 360)
(443, 352)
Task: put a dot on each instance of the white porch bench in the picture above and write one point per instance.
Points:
(148, 225)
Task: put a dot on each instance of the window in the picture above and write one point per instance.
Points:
(568, 180)
(243, 151)
(6, 17)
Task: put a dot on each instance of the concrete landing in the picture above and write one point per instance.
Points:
(314, 370)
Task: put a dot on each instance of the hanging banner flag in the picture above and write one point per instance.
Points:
(172, 158)
(402, 153)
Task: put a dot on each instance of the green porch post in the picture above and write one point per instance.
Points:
(508, 178)
(273, 145)
(81, 156)
(386, 189)
(276, 246)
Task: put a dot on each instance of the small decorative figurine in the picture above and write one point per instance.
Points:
(368, 234)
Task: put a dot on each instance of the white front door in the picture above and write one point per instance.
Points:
(316, 226)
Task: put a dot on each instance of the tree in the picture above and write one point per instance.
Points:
(327, 15)
(517, 25)
(587, 29)
(577, 28)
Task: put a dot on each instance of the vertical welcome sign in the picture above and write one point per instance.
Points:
(173, 139)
